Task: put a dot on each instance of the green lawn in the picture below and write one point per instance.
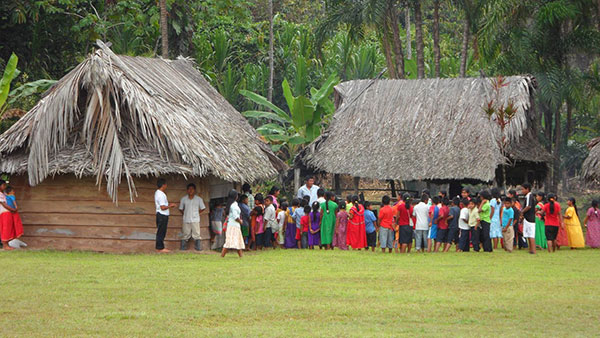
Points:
(300, 293)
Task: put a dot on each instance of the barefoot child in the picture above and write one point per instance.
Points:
(370, 222)
(339, 239)
(508, 232)
(305, 226)
(281, 220)
(314, 236)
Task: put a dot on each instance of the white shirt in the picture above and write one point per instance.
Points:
(312, 192)
(234, 213)
(191, 208)
(281, 219)
(160, 198)
(463, 220)
(421, 210)
(269, 218)
(3, 200)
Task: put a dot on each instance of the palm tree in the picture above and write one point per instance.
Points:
(381, 15)
(436, 37)
(537, 37)
(419, 39)
(164, 29)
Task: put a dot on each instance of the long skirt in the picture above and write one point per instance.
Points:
(356, 236)
(540, 234)
(495, 228)
(575, 236)
(339, 238)
(290, 236)
(314, 239)
(561, 238)
(234, 239)
(592, 235)
(10, 226)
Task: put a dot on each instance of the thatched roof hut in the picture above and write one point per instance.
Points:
(590, 169)
(430, 129)
(115, 118)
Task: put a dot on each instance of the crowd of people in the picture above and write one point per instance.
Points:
(472, 221)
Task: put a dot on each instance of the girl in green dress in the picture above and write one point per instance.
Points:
(328, 213)
(540, 228)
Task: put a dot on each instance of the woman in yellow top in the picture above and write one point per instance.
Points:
(573, 226)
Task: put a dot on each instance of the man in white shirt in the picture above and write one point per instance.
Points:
(191, 206)
(309, 189)
(162, 214)
(421, 211)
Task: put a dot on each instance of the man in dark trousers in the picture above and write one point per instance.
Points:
(162, 214)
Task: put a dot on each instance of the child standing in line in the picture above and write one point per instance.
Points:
(464, 227)
(348, 203)
(17, 223)
(573, 226)
(290, 228)
(258, 222)
(508, 232)
(216, 224)
(271, 225)
(474, 223)
(386, 225)
(314, 236)
(370, 221)
(305, 226)
(245, 217)
(339, 239)
(434, 211)
(281, 221)
(442, 222)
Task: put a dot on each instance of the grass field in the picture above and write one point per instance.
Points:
(300, 293)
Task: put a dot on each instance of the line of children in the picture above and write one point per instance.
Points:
(433, 222)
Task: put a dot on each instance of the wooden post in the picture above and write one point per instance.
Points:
(296, 179)
(336, 184)
(393, 187)
(356, 183)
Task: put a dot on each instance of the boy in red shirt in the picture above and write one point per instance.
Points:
(442, 223)
(405, 231)
(386, 225)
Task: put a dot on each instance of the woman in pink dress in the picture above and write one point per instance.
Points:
(339, 238)
(592, 224)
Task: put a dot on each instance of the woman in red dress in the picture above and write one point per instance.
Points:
(356, 234)
(7, 227)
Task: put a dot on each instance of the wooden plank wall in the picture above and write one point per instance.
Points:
(66, 213)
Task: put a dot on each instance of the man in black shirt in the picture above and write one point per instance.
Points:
(528, 217)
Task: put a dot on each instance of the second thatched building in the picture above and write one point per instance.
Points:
(433, 130)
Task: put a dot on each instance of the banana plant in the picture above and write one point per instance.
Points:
(10, 72)
(307, 116)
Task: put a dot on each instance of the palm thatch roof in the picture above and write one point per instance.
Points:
(117, 117)
(591, 166)
(430, 129)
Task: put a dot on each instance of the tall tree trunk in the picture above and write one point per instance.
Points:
(569, 128)
(557, 146)
(548, 118)
(271, 63)
(387, 51)
(419, 40)
(464, 54)
(164, 29)
(436, 37)
(397, 42)
(408, 33)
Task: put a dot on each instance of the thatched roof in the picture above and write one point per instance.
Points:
(431, 129)
(591, 166)
(117, 116)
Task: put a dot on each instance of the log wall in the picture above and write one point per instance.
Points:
(67, 213)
